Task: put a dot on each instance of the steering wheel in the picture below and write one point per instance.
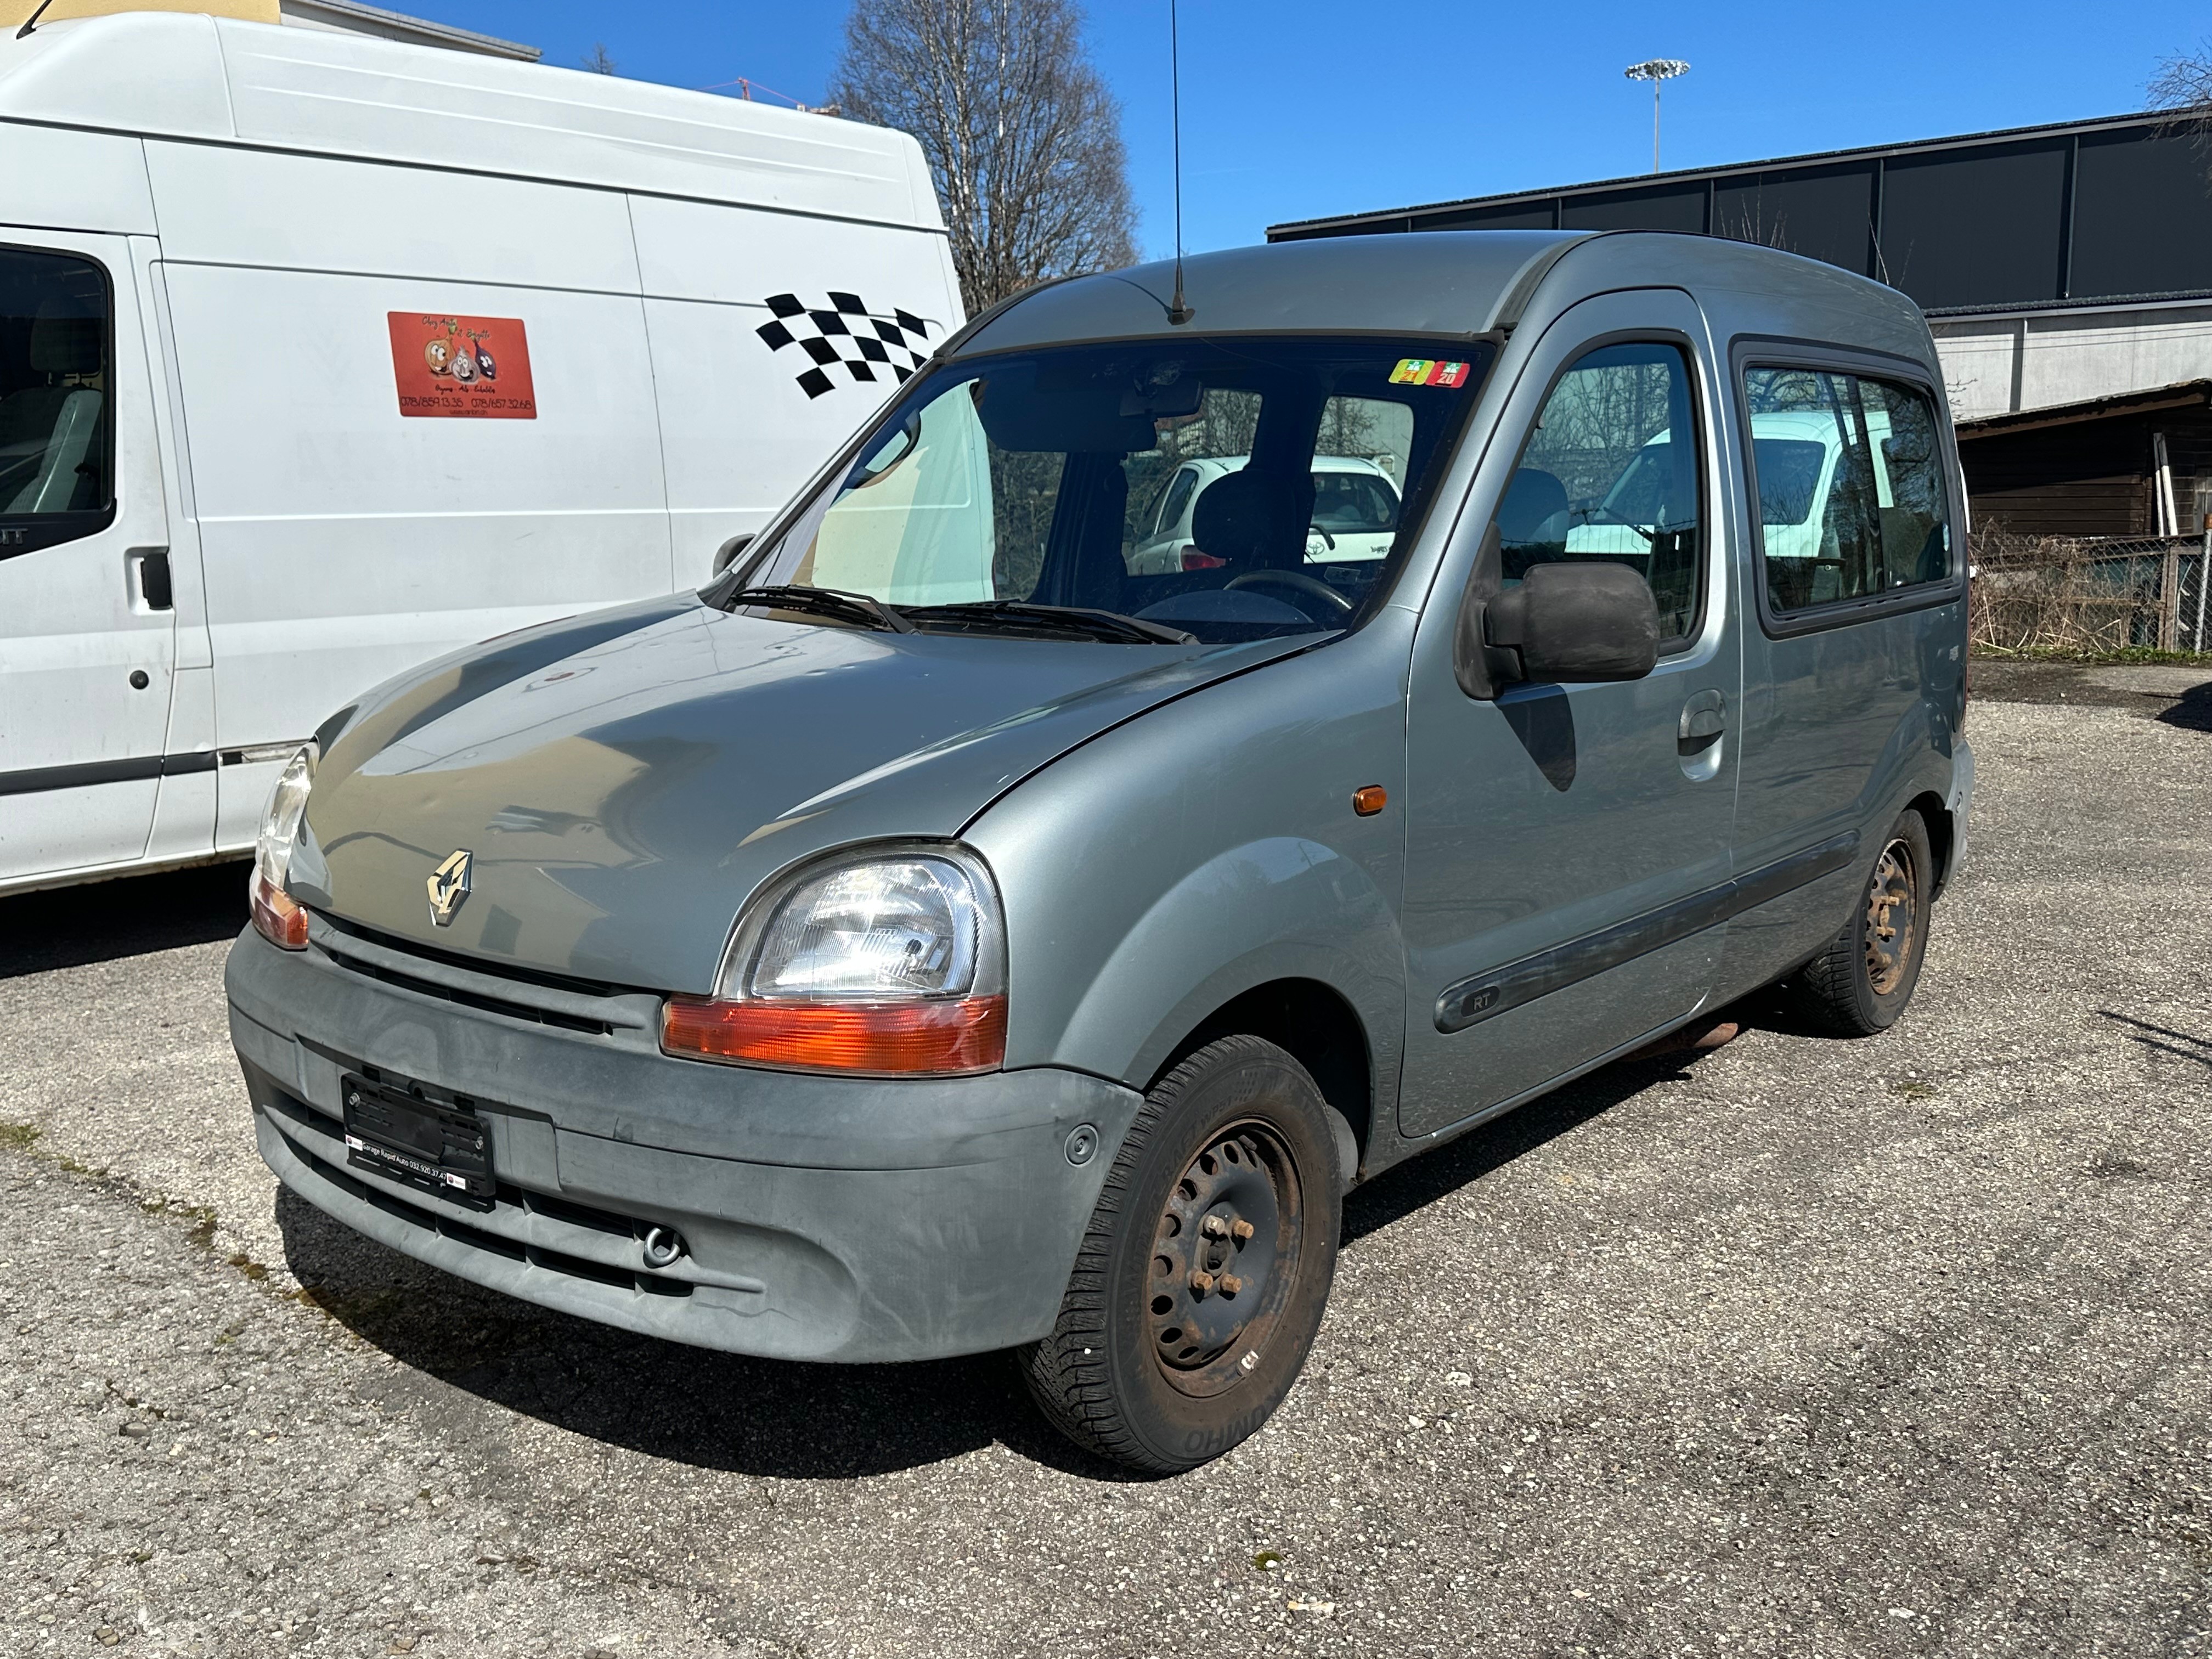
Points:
(1313, 587)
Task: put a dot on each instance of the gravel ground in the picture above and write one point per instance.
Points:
(1801, 1348)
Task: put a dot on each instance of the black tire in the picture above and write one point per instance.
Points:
(1226, 1190)
(1864, 977)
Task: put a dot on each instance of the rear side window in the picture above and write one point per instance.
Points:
(1610, 476)
(56, 385)
(1850, 475)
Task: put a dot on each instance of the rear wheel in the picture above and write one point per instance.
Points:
(1202, 1274)
(1863, 979)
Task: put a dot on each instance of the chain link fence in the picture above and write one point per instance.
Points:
(2091, 596)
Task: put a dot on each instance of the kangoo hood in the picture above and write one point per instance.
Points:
(623, 781)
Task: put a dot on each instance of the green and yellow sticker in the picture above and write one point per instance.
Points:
(1428, 371)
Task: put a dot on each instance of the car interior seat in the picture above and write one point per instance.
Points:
(50, 432)
(1531, 521)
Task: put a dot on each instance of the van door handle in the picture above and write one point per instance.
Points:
(1704, 717)
(151, 567)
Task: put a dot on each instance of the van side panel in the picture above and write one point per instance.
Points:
(739, 430)
(61, 180)
(228, 205)
(341, 542)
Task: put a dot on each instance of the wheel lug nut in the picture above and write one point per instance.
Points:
(1201, 1282)
(1213, 1226)
(1242, 1230)
(1230, 1283)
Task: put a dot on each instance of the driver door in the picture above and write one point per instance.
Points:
(1567, 844)
(87, 630)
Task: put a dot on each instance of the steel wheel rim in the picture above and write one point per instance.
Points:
(1225, 1255)
(1892, 918)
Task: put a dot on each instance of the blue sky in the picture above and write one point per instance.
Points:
(1293, 109)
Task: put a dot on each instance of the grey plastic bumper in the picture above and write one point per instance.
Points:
(828, 1219)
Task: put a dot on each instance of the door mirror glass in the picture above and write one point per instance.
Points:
(1572, 622)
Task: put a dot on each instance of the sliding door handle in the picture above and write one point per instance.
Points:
(149, 571)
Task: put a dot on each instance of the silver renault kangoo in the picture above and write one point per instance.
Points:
(961, 926)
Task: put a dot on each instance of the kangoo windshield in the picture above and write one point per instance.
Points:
(1224, 489)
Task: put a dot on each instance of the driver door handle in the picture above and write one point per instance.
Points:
(1704, 717)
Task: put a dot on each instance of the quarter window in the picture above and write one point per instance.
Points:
(1850, 478)
(55, 479)
(1611, 474)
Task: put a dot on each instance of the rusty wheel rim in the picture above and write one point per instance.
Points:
(1892, 918)
(1225, 1257)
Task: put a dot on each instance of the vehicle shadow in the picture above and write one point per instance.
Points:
(785, 1418)
(691, 1405)
(108, 921)
(2193, 712)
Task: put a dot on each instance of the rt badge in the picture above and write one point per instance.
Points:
(449, 885)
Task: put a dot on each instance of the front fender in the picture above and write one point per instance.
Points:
(1284, 907)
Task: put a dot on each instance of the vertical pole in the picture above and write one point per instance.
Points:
(1655, 84)
(2203, 586)
(2169, 600)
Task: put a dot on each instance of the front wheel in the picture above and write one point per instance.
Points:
(1202, 1274)
(1862, 980)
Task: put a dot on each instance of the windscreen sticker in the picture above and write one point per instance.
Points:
(470, 367)
(1426, 371)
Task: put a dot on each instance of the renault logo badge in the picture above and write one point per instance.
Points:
(449, 885)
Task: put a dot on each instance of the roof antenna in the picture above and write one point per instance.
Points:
(1178, 313)
(32, 21)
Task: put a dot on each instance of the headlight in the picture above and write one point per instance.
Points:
(277, 915)
(890, 962)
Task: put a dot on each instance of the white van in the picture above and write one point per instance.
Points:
(322, 356)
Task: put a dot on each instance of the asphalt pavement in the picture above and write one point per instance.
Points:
(1802, 1347)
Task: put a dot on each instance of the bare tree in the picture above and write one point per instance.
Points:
(1022, 136)
(2183, 83)
(2184, 86)
(598, 59)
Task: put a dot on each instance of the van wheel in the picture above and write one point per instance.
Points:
(1202, 1274)
(1862, 980)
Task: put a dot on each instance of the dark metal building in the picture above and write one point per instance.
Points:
(2062, 268)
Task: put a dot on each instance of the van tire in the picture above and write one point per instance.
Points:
(1861, 982)
(1232, 1146)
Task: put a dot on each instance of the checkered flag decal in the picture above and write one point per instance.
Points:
(845, 334)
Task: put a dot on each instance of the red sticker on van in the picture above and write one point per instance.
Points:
(471, 367)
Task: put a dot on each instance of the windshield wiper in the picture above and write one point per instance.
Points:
(1019, 615)
(826, 602)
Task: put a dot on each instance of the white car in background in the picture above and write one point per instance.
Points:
(1355, 513)
(1795, 453)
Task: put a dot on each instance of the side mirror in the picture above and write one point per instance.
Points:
(1577, 621)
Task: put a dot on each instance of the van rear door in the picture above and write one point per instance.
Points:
(87, 627)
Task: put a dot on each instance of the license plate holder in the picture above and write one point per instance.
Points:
(419, 1143)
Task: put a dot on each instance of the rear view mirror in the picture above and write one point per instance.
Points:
(1577, 621)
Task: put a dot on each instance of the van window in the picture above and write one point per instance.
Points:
(1849, 476)
(55, 479)
(1603, 479)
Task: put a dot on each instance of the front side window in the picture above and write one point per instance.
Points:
(1851, 499)
(1229, 490)
(1611, 474)
(56, 380)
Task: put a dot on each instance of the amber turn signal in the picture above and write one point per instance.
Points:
(277, 916)
(1368, 801)
(941, 1039)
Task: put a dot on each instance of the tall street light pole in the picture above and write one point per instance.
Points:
(1657, 71)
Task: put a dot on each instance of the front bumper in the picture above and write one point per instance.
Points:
(831, 1218)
